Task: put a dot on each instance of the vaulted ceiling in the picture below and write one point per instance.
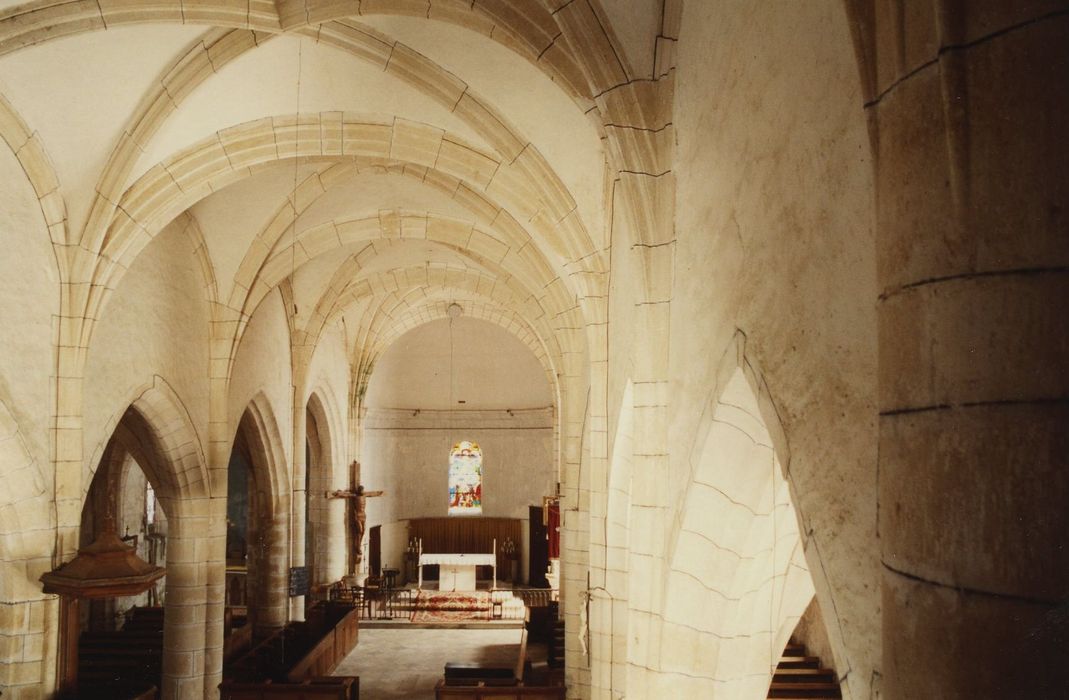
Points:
(377, 160)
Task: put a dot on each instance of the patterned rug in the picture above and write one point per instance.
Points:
(445, 616)
(451, 606)
(453, 601)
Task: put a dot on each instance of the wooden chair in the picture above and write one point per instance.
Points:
(361, 601)
(374, 593)
(338, 592)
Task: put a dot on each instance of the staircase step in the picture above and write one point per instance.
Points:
(804, 675)
(799, 676)
(804, 690)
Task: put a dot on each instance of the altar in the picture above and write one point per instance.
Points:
(456, 572)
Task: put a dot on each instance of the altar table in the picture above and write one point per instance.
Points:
(456, 572)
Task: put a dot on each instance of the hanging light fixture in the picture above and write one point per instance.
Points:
(296, 164)
(453, 311)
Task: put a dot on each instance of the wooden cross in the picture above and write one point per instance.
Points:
(358, 522)
(354, 494)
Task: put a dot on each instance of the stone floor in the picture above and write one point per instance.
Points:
(407, 662)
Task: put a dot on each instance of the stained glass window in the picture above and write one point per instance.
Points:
(466, 479)
(150, 505)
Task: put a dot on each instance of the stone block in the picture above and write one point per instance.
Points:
(449, 231)
(229, 47)
(461, 13)
(466, 164)
(488, 246)
(38, 167)
(12, 129)
(233, 13)
(426, 76)
(483, 209)
(489, 125)
(413, 8)
(942, 341)
(971, 497)
(357, 40)
(415, 142)
(641, 104)
(583, 29)
(957, 144)
(933, 637)
(906, 37)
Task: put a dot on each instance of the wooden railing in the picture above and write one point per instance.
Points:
(300, 650)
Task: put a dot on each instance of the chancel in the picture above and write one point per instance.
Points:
(585, 349)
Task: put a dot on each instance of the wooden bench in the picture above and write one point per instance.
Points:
(487, 675)
(123, 664)
(297, 652)
(335, 688)
(485, 692)
(325, 656)
(473, 674)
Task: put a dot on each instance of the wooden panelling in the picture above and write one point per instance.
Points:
(466, 535)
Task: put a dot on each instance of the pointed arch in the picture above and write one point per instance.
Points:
(737, 553)
(259, 440)
(156, 430)
(165, 430)
(259, 428)
(40, 172)
(326, 518)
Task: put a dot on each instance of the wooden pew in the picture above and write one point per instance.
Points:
(492, 682)
(292, 663)
(484, 692)
(335, 688)
(488, 675)
(334, 646)
(123, 664)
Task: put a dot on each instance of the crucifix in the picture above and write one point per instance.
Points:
(358, 510)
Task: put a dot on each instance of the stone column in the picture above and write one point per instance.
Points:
(268, 567)
(968, 105)
(215, 595)
(298, 500)
(185, 602)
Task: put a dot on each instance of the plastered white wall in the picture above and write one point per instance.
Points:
(541, 111)
(491, 369)
(156, 323)
(80, 140)
(331, 79)
(29, 286)
(410, 460)
(262, 364)
(408, 429)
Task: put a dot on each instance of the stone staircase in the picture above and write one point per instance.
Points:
(800, 676)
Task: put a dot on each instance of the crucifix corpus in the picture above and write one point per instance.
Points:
(357, 497)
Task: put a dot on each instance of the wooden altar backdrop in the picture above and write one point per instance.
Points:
(468, 535)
